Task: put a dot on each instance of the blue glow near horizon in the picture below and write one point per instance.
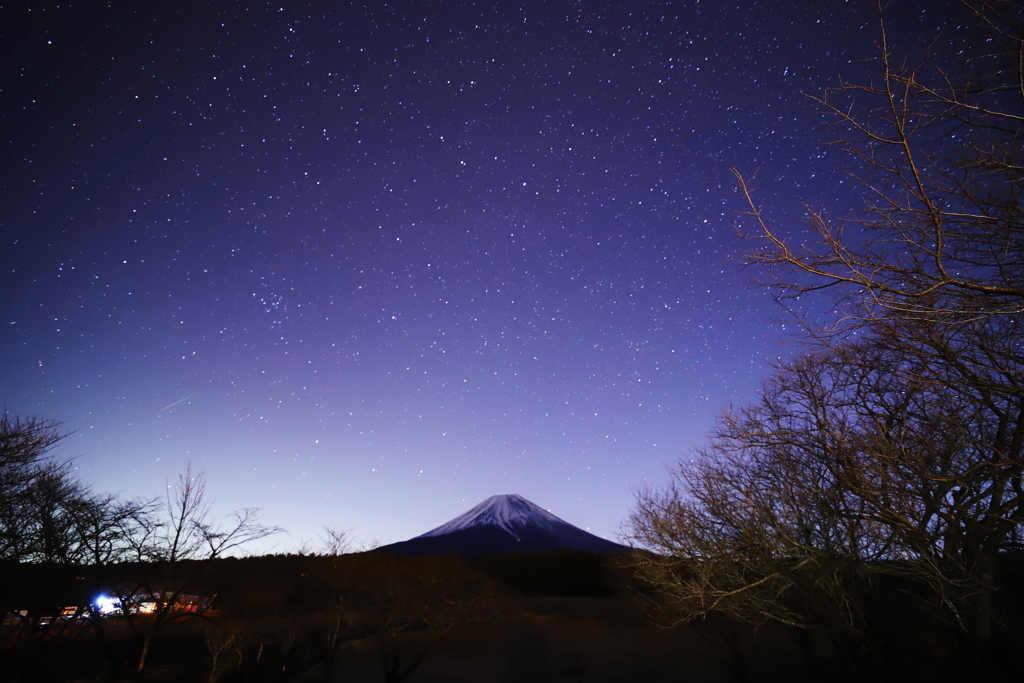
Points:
(107, 605)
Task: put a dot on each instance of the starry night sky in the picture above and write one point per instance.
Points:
(366, 264)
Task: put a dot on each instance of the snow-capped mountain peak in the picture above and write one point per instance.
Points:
(501, 525)
(511, 512)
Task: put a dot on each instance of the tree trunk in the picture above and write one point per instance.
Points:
(145, 653)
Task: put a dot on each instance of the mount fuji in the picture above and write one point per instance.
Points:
(499, 525)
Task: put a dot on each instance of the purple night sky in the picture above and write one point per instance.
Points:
(367, 264)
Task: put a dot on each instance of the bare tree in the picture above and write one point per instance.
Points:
(173, 544)
(34, 489)
(49, 519)
(759, 526)
(337, 542)
(108, 527)
(931, 271)
(935, 139)
(46, 513)
(335, 613)
(24, 441)
(333, 543)
(848, 467)
(226, 642)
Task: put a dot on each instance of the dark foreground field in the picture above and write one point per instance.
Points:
(552, 617)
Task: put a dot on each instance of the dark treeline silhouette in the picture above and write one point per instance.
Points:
(272, 617)
(286, 617)
(567, 573)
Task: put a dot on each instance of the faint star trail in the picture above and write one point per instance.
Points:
(177, 402)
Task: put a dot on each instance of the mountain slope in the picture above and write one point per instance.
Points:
(502, 524)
